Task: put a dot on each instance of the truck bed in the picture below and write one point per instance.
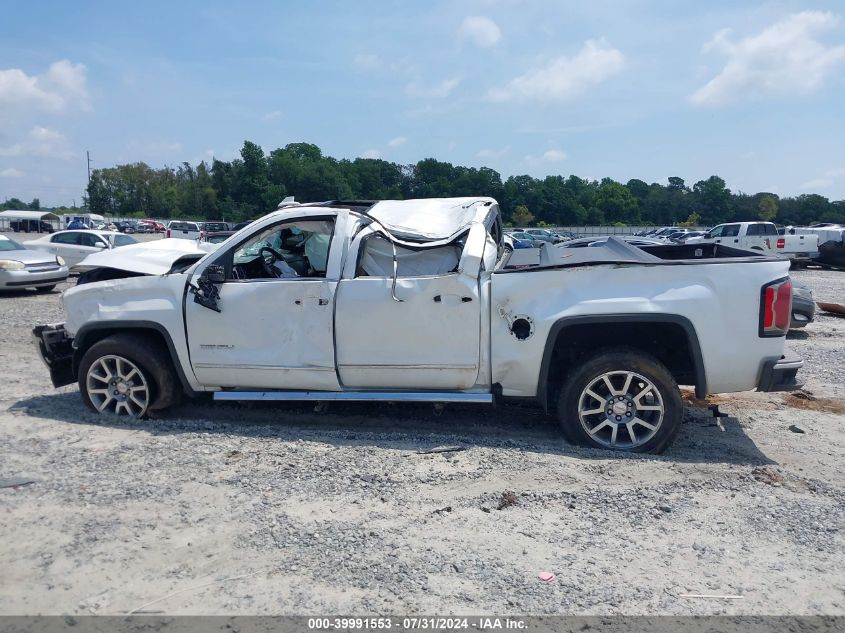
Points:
(615, 251)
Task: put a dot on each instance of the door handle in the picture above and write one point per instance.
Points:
(439, 299)
(735, 241)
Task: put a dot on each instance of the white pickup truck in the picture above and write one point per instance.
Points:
(761, 236)
(412, 301)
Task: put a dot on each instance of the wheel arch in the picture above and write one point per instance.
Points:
(680, 328)
(91, 333)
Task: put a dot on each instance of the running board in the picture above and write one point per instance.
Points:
(357, 396)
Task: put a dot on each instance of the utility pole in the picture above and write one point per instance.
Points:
(88, 155)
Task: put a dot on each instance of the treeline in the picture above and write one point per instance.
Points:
(17, 204)
(252, 185)
(20, 205)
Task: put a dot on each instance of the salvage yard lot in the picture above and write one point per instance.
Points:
(241, 509)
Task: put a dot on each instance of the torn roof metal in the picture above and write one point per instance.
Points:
(433, 219)
(149, 258)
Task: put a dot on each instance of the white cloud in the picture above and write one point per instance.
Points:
(40, 141)
(371, 153)
(564, 78)
(480, 30)
(784, 59)
(549, 156)
(554, 155)
(11, 172)
(270, 116)
(63, 86)
(367, 61)
(826, 180)
(437, 91)
(492, 153)
(396, 142)
(817, 183)
(45, 135)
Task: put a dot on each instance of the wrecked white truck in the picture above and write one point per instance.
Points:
(413, 301)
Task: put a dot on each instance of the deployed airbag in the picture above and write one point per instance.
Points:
(377, 259)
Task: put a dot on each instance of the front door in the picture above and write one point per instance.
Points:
(275, 325)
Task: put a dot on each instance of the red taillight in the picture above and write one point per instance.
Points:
(167, 233)
(776, 308)
(781, 242)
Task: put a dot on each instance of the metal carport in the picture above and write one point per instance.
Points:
(31, 220)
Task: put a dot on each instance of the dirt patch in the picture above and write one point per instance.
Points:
(741, 399)
(767, 475)
(800, 400)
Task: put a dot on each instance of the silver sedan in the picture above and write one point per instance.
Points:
(23, 268)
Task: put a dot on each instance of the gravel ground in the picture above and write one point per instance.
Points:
(286, 510)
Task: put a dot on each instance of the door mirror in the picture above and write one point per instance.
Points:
(215, 273)
(99, 244)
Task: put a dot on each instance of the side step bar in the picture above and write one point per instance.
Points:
(357, 396)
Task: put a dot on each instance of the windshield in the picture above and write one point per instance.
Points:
(9, 245)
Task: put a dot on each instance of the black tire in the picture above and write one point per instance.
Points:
(45, 289)
(150, 358)
(576, 415)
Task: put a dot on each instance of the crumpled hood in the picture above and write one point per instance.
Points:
(148, 258)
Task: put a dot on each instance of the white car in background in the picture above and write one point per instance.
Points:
(23, 268)
(761, 236)
(74, 246)
(183, 230)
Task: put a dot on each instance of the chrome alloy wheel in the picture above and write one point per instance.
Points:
(116, 385)
(621, 409)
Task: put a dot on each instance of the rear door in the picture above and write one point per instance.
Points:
(68, 245)
(755, 237)
(424, 331)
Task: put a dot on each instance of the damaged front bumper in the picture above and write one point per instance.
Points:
(56, 350)
(781, 374)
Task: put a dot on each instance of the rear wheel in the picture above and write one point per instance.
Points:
(126, 374)
(621, 400)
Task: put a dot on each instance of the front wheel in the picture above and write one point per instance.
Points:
(45, 289)
(126, 374)
(622, 400)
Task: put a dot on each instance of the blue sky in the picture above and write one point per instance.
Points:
(753, 92)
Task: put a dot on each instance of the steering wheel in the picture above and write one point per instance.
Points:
(268, 261)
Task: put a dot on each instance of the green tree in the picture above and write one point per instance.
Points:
(255, 182)
(693, 219)
(522, 216)
(767, 208)
(616, 203)
(712, 200)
